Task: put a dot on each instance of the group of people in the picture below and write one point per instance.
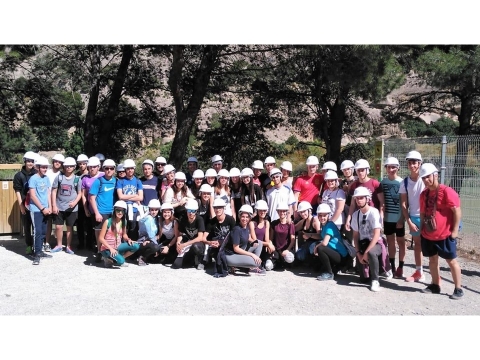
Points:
(248, 220)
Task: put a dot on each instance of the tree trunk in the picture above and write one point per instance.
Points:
(89, 127)
(335, 129)
(186, 116)
(107, 125)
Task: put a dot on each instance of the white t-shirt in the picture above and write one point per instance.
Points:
(368, 223)
(51, 175)
(276, 196)
(414, 190)
(330, 198)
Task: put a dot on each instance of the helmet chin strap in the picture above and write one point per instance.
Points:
(366, 203)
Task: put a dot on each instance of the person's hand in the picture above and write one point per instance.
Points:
(71, 204)
(257, 260)
(55, 210)
(363, 258)
(270, 248)
(48, 211)
(214, 243)
(306, 236)
(315, 250)
(347, 225)
(129, 242)
(165, 250)
(412, 226)
(22, 209)
(399, 225)
(454, 234)
(98, 218)
(179, 248)
(113, 252)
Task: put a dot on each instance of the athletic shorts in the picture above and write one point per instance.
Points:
(416, 221)
(98, 225)
(65, 217)
(390, 228)
(446, 249)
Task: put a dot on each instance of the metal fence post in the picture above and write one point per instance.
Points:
(444, 155)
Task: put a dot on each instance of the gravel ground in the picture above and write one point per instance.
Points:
(74, 285)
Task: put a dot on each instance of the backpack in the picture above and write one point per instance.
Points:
(75, 181)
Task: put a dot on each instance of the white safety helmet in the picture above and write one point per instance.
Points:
(154, 204)
(41, 161)
(324, 209)
(108, 162)
(82, 158)
(59, 157)
(147, 161)
(289, 257)
(216, 158)
(180, 176)
(192, 159)
(245, 209)
(347, 164)
(210, 173)
(166, 206)
(261, 205)
(286, 165)
(246, 172)
(392, 161)
(168, 168)
(69, 161)
(275, 171)
(161, 160)
(93, 161)
(269, 160)
(234, 172)
(331, 175)
(219, 202)
(413, 155)
(282, 206)
(191, 204)
(30, 155)
(304, 205)
(120, 167)
(205, 188)
(198, 174)
(362, 164)
(129, 163)
(329, 165)
(100, 156)
(257, 164)
(120, 204)
(312, 160)
(362, 191)
(427, 169)
(224, 173)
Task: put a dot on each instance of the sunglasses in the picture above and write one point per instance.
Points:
(191, 211)
(364, 219)
(108, 168)
(43, 167)
(218, 207)
(29, 160)
(129, 168)
(160, 164)
(154, 209)
(69, 166)
(120, 211)
(56, 161)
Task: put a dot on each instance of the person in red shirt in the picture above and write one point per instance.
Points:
(308, 187)
(440, 216)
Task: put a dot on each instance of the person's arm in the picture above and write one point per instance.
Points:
(316, 226)
(74, 203)
(292, 238)
(85, 202)
(339, 206)
(18, 194)
(251, 227)
(381, 200)
(324, 242)
(54, 201)
(101, 239)
(125, 236)
(93, 203)
(267, 241)
(232, 206)
(351, 210)
(137, 197)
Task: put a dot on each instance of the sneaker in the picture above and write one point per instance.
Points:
(375, 286)
(36, 260)
(325, 276)
(398, 273)
(108, 263)
(431, 289)
(268, 265)
(200, 267)
(125, 264)
(56, 249)
(416, 276)
(46, 247)
(388, 275)
(69, 251)
(98, 258)
(257, 271)
(141, 261)
(457, 294)
(44, 255)
(232, 270)
(29, 250)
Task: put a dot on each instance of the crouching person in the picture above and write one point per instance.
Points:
(115, 243)
(366, 233)
(148, 235)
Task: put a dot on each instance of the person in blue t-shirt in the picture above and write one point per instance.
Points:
(150, 183)
(329, 250)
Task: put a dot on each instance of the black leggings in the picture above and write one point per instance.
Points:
(195, 252)
(326, 257)
(147, 250)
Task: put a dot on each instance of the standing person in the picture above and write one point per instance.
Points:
(222, 191)
(236, 189)
(82, 171)
(279, 194)
(149, 182)
(66, 194)
(265, 178)
(192, 165)
(52, 173)
(20, 186)
(366, 227)
(347, 168)
(334, 197)
(307, 187)
(168, 180)
(440, 216)
(394, 222)
(40, 207)
(239, 252)
(100, 157)
(287, 178)
(283, 238)
(308, 231)
(257, 168)
(120, 170)
(93, 167)
(160, 163)
(328, 166)
(101, 199)
(178, 194)
(250, 193)
(217, 163)
(198, 177)
(410, 190)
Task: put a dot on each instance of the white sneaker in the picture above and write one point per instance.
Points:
(388, 275)
(268, 265)
(375, 286)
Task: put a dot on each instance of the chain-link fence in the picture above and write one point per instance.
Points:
(458, 159)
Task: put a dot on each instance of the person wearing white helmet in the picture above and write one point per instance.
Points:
(211, 178)
(120, 171)
(82, 171)
(190, 246)
(287, 178)
(222, 191)
(236, 189)
(308, 229)
(168, 180)
(347, 168)
(150, 182)
(265, 177)
(205, 209)
(168, 235)
(82, 161)
(130, 190)
(100, 157)
(394, 222)
(101, 197)
(410, 190)
(192, 165)
(178, 195)
(160, 163)
(198, 176)
(239, 252)
(279, 193)
(257, 168)
(115, 244)
(40, 202)
(148, 233)
(440, 215)
(366, 227)
(217, 163)
(335, 198)
(283, 236)
(66, 194)
(52, 173)
(20, 186)
(308, 187)
(250, 193)
(260, 232)
(93, 167)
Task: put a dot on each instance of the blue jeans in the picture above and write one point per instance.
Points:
(39, 230)
(303, 253)
(121, 250)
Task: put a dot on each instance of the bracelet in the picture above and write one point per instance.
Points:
(42, 209)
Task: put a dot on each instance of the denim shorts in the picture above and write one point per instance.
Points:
(416, 221)
(446, 248)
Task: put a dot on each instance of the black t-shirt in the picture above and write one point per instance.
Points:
(238, 236)
(204, 212)
(191, 229)
(217, 230)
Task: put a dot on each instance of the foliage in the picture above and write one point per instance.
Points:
(418, 128)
